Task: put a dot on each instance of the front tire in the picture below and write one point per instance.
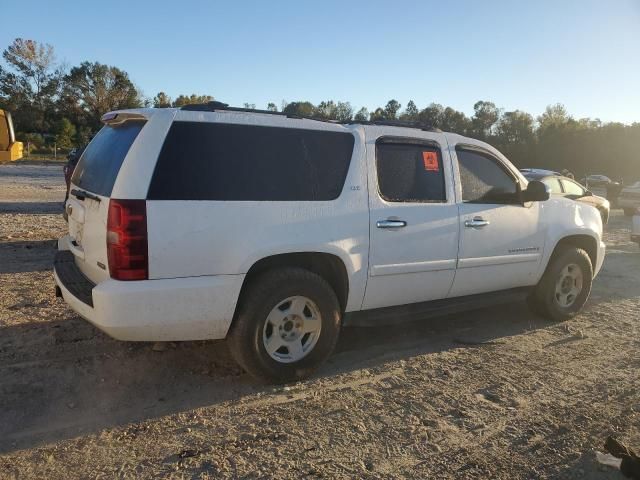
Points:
(286, 325)
(565, 286)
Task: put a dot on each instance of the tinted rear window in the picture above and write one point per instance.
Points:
(101, 161)
(215, 161)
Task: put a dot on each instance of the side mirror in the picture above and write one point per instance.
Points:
(587, 193)
(536, 192)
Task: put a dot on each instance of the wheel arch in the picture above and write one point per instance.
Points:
(327, 265)
(584, 241)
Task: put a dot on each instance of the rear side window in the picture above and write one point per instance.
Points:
(215, 161)
(484, 179)
(101, 161)
(410, 172)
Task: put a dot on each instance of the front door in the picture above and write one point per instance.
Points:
(413, 220)
(501, 239)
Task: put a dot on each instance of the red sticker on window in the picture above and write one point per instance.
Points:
(430, 161)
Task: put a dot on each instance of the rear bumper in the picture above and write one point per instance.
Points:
(193, 308)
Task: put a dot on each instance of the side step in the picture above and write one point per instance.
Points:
(435, 308)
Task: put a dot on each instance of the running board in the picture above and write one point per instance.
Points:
(435, 308)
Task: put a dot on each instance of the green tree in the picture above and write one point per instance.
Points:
(410, 113)
(301, 109)
(92, 89)
(485, 117)
(362, 115)
(330, 110)
(31, 84)
(554, 117)
(452, 120)
(191, 99)
(515, 127)
(161, 100)
(272, 107)
(378, 114)
(83, 136)
(65, 134)
(344, 112)
(391, 110)
(431, 115)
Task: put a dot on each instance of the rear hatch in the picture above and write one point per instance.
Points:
(90, 191)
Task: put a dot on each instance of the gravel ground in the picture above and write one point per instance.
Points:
(496, 393)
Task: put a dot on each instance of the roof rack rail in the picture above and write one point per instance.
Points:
(395, 123)
(217, 106)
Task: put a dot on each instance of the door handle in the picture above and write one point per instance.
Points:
(391, 223)
(477, 222)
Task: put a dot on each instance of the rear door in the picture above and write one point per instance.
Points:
(413, 220)
(501, 239)
(91, 187)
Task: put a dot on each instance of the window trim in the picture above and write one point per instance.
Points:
(492, 157)
(415, 142)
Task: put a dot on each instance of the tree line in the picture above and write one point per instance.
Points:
(51, 103)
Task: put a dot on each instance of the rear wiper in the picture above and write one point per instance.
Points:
(81, 195)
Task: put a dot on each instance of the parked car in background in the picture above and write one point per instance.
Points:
(629, 198)
(635, 228)
(271, 231)
(596, 181)
(538, 171)
(562, 186)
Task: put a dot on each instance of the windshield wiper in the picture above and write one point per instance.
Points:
(81, 195)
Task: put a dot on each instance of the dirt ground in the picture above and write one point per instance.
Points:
(496, 393)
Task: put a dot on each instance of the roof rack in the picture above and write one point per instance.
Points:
(395, 123)
(219, 106)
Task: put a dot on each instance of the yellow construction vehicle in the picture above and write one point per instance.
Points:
(9, 148)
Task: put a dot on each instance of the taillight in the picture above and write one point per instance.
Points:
(127, 240)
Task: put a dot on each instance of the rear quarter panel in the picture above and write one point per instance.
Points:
(196, 238)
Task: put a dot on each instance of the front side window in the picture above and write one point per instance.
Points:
(218, 161)
(484, 180)
(572, 188)
(410, 172)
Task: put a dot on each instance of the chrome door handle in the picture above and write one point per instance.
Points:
(391, 223)
(477, 222)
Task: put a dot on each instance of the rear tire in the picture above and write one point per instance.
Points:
(565, 286)
(286, 325)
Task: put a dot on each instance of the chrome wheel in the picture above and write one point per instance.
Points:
(568, 285)
(292, 329)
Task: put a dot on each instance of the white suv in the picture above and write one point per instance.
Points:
(211, 222)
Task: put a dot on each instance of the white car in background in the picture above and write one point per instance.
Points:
(629, 199)
(635, 228)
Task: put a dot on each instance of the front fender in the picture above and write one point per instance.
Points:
(566, 218)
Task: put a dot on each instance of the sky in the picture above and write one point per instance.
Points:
(518, 54)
